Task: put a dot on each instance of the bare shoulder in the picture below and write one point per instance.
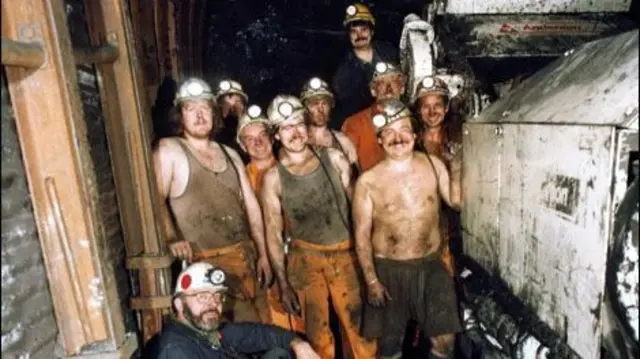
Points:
(341, 136)
(232, 153)
(337, 156)
(169, 147)
(366, 179)
(271, 178)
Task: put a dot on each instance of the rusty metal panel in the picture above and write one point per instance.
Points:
(597, 84)
(553, 217)
(534, 6)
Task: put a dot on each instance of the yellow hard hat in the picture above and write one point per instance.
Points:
(284, 107)
(358, 12)
(254, 115)
(315, 87)
(194, 89)
(226, 87)
(432, 85)
(388, 111)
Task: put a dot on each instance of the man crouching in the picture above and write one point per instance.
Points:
(398, 240)
(196, 330)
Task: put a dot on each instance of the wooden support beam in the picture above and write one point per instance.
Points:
(128, 132)
(61, 176)
(23, 54)
(105, 54)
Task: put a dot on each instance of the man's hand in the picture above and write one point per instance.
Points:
(377, 294)
(303, 350)
(265, 276)
(181, 250)
(289, 300)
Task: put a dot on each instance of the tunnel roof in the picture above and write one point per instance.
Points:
(596, 84)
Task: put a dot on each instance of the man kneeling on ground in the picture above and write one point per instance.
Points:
(195, 330)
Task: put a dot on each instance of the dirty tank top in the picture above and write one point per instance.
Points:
(309, 203)
(210, 213)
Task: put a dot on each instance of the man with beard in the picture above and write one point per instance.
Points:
(217, 216)
(195, 330)
(351, 80)
(318, 100)
(442, 139)
(312, 190)
(388, 82)
(255, 139)
(396, 209)
(232, 102)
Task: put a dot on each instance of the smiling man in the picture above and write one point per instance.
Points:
(204, 187)
(312, 190)
(396, 210)
(196, 330)
(351, 80)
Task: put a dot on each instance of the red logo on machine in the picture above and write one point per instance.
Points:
(507, 29)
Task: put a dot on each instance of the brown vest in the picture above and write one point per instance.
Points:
(210, 213)
(315, 204)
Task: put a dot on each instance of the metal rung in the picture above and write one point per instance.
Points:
(149, 262)
(32, 54)
(21, 53)
(160, 302)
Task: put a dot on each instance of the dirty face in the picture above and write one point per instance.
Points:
(398, 138)
(203, 309)
(387, 87)
(197, 118)
(256, 141)
(432, 109)
(233, 104)
(293, 134)
(319, 108)
(360, 36)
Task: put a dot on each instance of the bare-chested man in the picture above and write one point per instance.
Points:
(312, 190)
(398, 238)
(217, 216)
(318, 99)
(440, 137)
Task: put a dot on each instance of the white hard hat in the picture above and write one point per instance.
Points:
(384, 69)
(388, 111)
(194, 89)
(284, 107)
(432, 85)
(227, 87)
(199, 277)
(254, 115)
(315, 87)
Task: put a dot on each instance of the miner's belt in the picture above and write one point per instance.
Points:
(320, 249)
(217, 252)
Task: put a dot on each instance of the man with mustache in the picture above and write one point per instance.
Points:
(312, 190)
(232, 101)
(387, 82)
(351, 80)
(318, 100)
(216, 213)
(196, 330)
(396, 210)
(443, 139)
(254, 138)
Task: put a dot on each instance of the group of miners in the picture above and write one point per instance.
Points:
(283, 218)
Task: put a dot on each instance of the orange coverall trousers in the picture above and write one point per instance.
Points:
(248, 302)
(329, 271)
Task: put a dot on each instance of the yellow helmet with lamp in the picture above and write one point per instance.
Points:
(315, 87)
(193, 89)
(387, 112)
(228, 87)
(283, 108)
(358, 12)
(253, 115)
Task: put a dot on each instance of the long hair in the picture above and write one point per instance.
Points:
(176, 119)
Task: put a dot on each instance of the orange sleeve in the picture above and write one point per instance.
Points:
(350, 128)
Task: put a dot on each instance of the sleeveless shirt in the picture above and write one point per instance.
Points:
(210, 213)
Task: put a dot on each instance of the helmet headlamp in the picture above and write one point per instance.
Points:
(285, 109)
(215, 276)
(315, 83)
(254, 111)
(381, 67)
(195, 89)
(351, 10)
(428, 82)
(224, 85)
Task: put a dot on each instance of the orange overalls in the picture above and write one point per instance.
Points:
(329, 270)
(359, 128)
(276, 313)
